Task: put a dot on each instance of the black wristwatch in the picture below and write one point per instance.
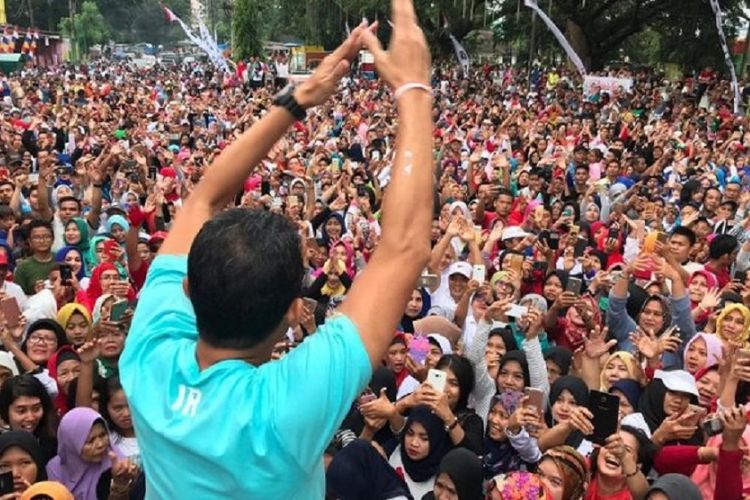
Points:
(286, 100)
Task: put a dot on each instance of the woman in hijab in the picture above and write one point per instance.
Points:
(619, 365)
(629, 391)
(658, 403)
(359, 472)
(76, 320)
(86, 462)
(73, 257)
(422, 445)
(707, 381)
(118, 228)
(21, 455)
(64, 366)
(459, 477)
(733, 324)
(333, 229)
(520, 325)
(77, 234)
(701, 282)
(96, 251)
(506, 451)
(104, 279)
(558, 360)
(564, 472)
(703, 350)
(566, 395)
(674, 487)
(416, 308)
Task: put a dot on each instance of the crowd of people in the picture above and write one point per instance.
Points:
(580, 246)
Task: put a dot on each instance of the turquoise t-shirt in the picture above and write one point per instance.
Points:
(233, 430)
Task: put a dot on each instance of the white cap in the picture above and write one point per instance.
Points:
(678, 381)
(444, 343)
(514, 232)
(462, 268)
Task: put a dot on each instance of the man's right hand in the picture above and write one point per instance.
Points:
(407, 59)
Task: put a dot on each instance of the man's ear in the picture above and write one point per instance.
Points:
(186, 287)
(293, 315)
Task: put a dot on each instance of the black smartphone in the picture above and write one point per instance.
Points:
(66, 273)
(614, 233)
(580, 247)
(604, 407)
(574, 285)
(6, 483)
(740, 276)
(554, 241)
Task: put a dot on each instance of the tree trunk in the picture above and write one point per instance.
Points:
(577, 38)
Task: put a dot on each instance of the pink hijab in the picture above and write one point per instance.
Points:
(711, 281)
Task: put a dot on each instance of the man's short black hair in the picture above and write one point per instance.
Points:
(37, 223)
(6, 212)
(66, 199)
(582, 167)
(7, 181)
(244, 270)
(503, 191)
(722, 244)
(686, 232)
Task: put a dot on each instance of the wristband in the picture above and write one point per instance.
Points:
(411, 86)
(97, 185)
(452, 426)
(635, 472)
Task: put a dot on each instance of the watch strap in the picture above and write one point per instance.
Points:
(286, 100)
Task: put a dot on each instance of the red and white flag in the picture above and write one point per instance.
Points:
(170, 15)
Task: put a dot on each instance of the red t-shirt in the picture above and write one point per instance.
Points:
(593, 493)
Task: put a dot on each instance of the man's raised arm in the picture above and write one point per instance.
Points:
(227, 174)
(378, 297)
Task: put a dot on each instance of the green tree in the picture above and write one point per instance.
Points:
(600, 30)
(246, 35)
(88, 27)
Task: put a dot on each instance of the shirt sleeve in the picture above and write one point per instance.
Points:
(319, 381)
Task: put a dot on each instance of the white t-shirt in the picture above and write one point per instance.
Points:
(15, 291)
(282, 70)
(417, 490)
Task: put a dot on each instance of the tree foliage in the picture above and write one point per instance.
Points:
(680, 31)
(88, 25)
(246, 34)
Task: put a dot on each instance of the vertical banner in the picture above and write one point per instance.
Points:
(461, 55)
(3, 16)
(727, 55)
(560, 37)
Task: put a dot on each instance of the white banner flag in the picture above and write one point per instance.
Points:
(461, 55)
(727, 55)
(558, 34)
(606, 84)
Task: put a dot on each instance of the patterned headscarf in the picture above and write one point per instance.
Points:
(631, 364)
(521, 485)
(573, 467)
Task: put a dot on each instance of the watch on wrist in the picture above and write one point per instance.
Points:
(286, 100)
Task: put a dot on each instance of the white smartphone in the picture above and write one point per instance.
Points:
(517, 311)
(479, 273)
(436, 378)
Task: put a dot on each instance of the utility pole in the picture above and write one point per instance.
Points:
(532, 41)
(73, 40)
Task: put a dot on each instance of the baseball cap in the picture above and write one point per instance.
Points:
(157, 236)
(462, 268)
(514, 232)
(678, 381)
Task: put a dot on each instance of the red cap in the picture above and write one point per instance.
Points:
(157, 236)
(168, 172)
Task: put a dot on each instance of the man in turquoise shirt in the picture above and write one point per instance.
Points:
(213, 418)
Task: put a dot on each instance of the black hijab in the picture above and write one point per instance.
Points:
(465, 470)
(46, 324)
(580, 392)
(359, 472)
(520, 357)
(28, 443)
(440, 444)
(651, 406)
(561, 356)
